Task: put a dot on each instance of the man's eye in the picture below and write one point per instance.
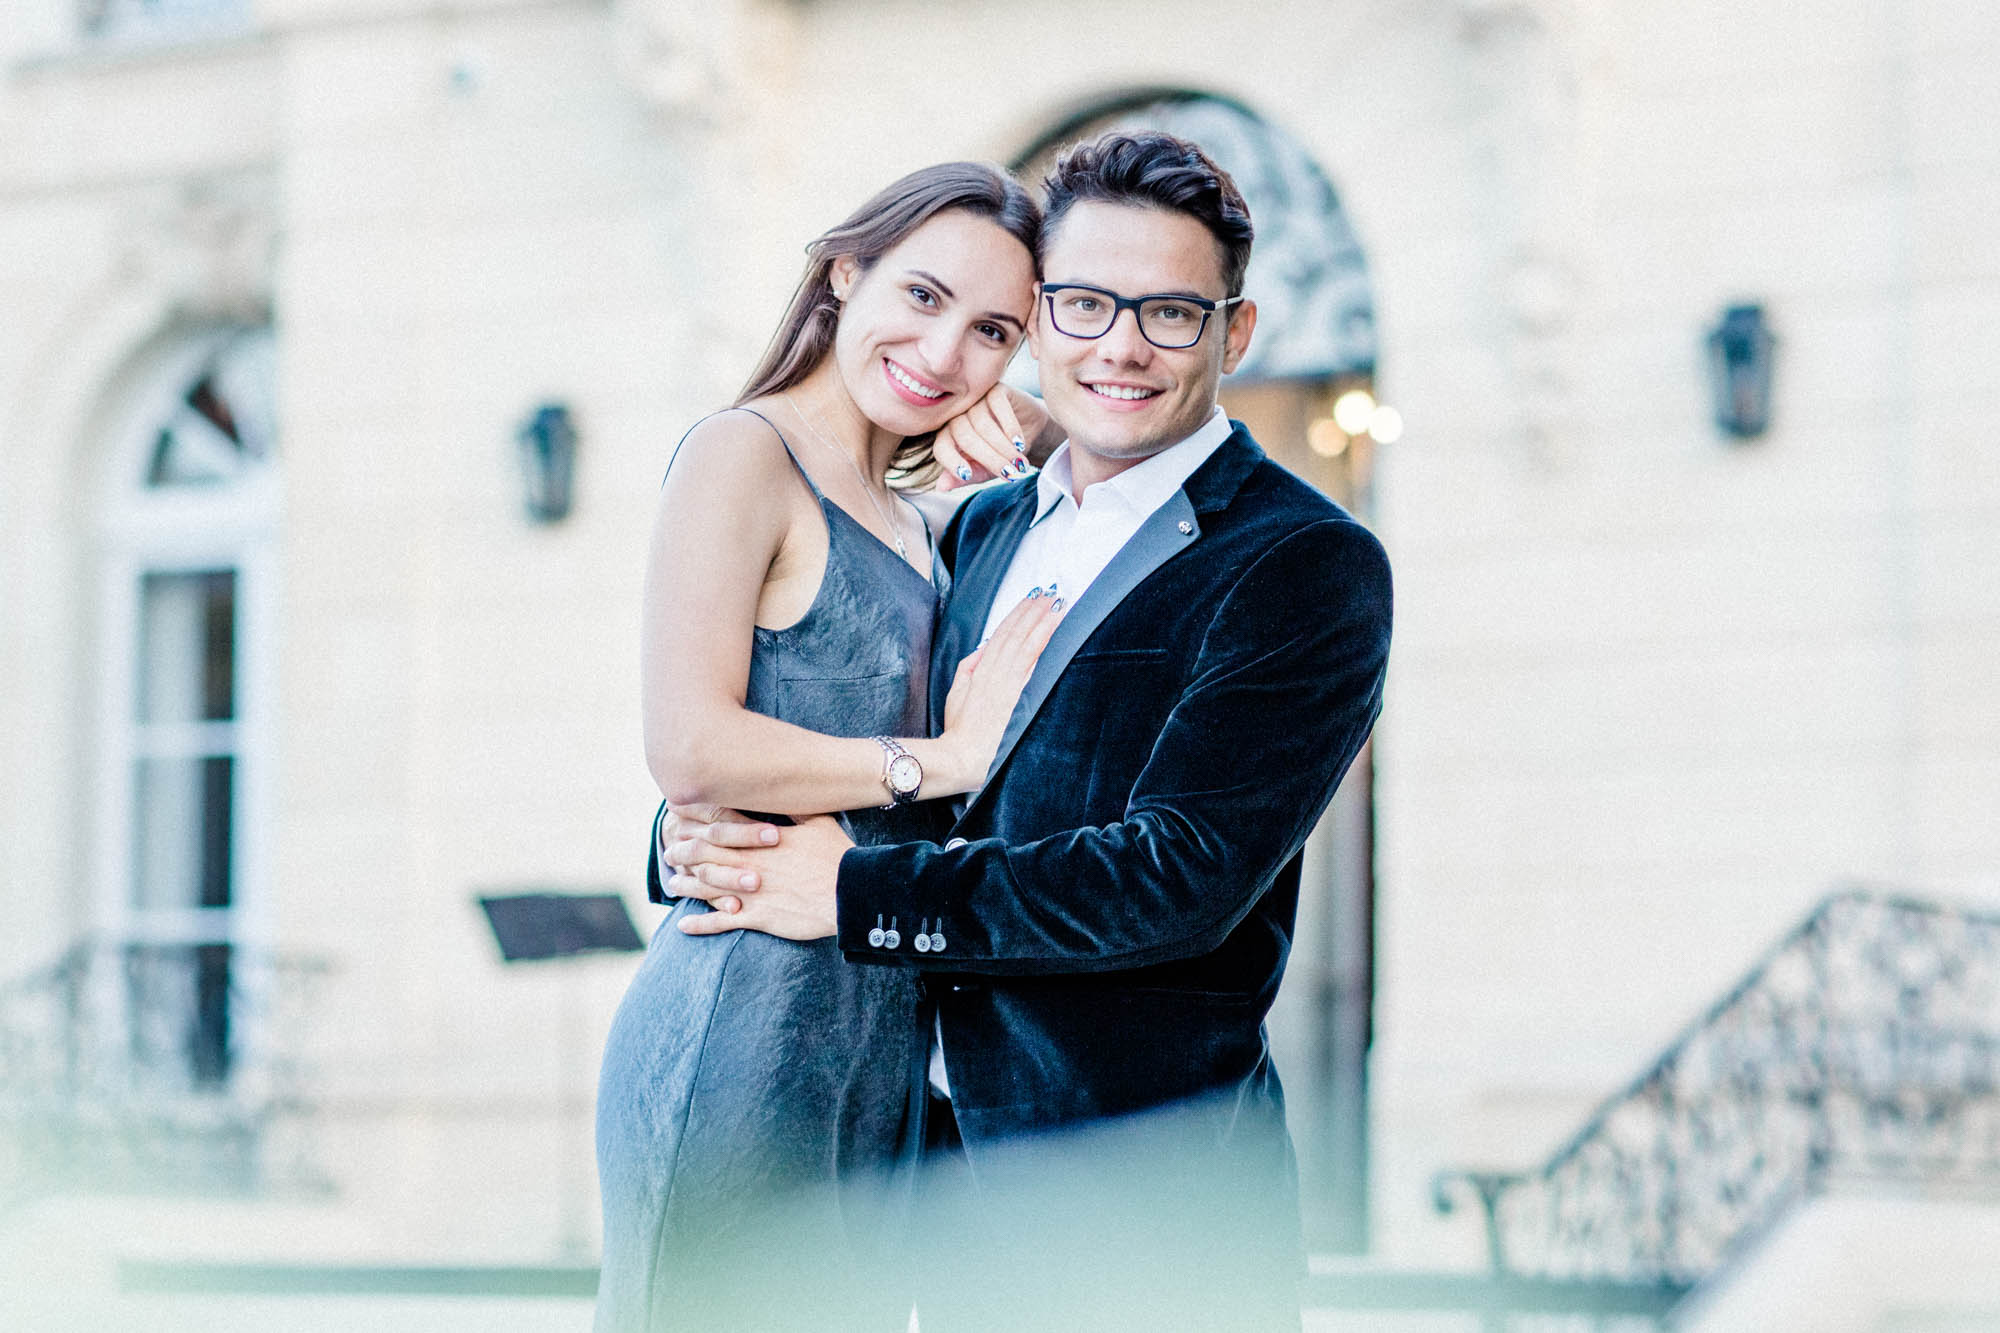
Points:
(1083, 305)
(1173, 313)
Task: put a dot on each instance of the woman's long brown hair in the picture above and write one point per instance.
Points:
(805, 335)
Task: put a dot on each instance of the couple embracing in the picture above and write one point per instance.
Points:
(989, 1043)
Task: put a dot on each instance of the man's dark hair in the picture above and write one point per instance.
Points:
(1151, 169)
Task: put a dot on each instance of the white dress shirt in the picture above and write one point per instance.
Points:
(1070, 542)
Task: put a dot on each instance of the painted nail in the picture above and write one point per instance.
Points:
(1033, 593)
(1057, 605)
(964, 472)
(1020, 445)
(1019, 467)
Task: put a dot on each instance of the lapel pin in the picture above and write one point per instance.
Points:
(1187, 528)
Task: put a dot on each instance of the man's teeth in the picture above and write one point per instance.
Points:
(1122, 391)
(910, 384)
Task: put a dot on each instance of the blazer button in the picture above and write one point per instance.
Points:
(937, 942)
(954, 843)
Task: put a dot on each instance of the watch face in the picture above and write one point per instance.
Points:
(905, 773)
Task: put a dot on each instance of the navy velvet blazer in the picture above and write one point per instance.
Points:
(1108, 921)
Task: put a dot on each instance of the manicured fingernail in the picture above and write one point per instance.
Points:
(1019, 467)
(769, 837)
(1033, 593)
(1020, 445)
(1058, 605)
(964, 472)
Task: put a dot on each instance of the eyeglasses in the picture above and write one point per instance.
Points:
(1170, 322)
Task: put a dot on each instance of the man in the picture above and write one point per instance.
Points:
(1107, 924)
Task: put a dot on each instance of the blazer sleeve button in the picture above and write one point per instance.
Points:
(954, 844)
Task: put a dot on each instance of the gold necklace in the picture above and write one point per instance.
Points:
(812, 424)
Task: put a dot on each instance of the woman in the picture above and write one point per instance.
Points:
(754, 1095)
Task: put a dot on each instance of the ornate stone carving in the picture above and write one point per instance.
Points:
(207, 246)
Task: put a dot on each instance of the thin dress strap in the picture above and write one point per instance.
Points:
(817, 493)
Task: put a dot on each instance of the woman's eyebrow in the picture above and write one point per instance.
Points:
(950, 295)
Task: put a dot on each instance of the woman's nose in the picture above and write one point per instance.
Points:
(942, 351)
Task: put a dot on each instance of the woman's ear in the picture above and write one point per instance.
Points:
(842, 274)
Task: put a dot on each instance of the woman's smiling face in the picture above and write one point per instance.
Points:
(928, 329)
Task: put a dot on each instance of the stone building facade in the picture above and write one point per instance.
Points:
(1653, 691)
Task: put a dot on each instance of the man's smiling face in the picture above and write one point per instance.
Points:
(1120, 399)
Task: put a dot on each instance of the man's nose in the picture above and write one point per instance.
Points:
(1124, 343)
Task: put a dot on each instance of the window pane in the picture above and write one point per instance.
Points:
(181, 827)
(187, 653)
(161, 19)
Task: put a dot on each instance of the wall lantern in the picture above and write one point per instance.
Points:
(1740, 358)
(548, 459)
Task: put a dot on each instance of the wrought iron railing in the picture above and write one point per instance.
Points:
(1865, 1044)
(152, 1066)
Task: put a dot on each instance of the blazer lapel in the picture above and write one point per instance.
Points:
(1171, 528)
(974, 584)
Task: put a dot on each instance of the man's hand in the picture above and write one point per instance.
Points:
(786, 890)
(717, 826)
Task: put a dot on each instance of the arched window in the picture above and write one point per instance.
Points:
(187, 539)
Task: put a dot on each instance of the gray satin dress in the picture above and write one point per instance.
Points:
(759, 1097)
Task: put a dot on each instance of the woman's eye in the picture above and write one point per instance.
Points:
(994, 332)
(922, 296)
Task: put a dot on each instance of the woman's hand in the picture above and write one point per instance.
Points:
(989, 439)
(989, 683)
(714, 826)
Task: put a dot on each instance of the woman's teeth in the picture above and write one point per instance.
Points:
(912, 385)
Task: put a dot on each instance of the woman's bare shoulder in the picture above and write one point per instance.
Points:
(732, 446)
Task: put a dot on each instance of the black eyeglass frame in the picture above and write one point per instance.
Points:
(1120, 304)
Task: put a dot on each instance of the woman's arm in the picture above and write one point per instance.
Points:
(723, 530)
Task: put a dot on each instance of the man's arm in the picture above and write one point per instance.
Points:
(1286, 686)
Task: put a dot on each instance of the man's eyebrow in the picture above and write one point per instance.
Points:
(1100, 287)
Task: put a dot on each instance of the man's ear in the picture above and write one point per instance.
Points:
(842, 274)
(1242, 323)
(1035, 327)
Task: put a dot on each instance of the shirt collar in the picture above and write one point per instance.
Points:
(1144, 486)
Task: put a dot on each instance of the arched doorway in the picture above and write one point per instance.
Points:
(1305, 390)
